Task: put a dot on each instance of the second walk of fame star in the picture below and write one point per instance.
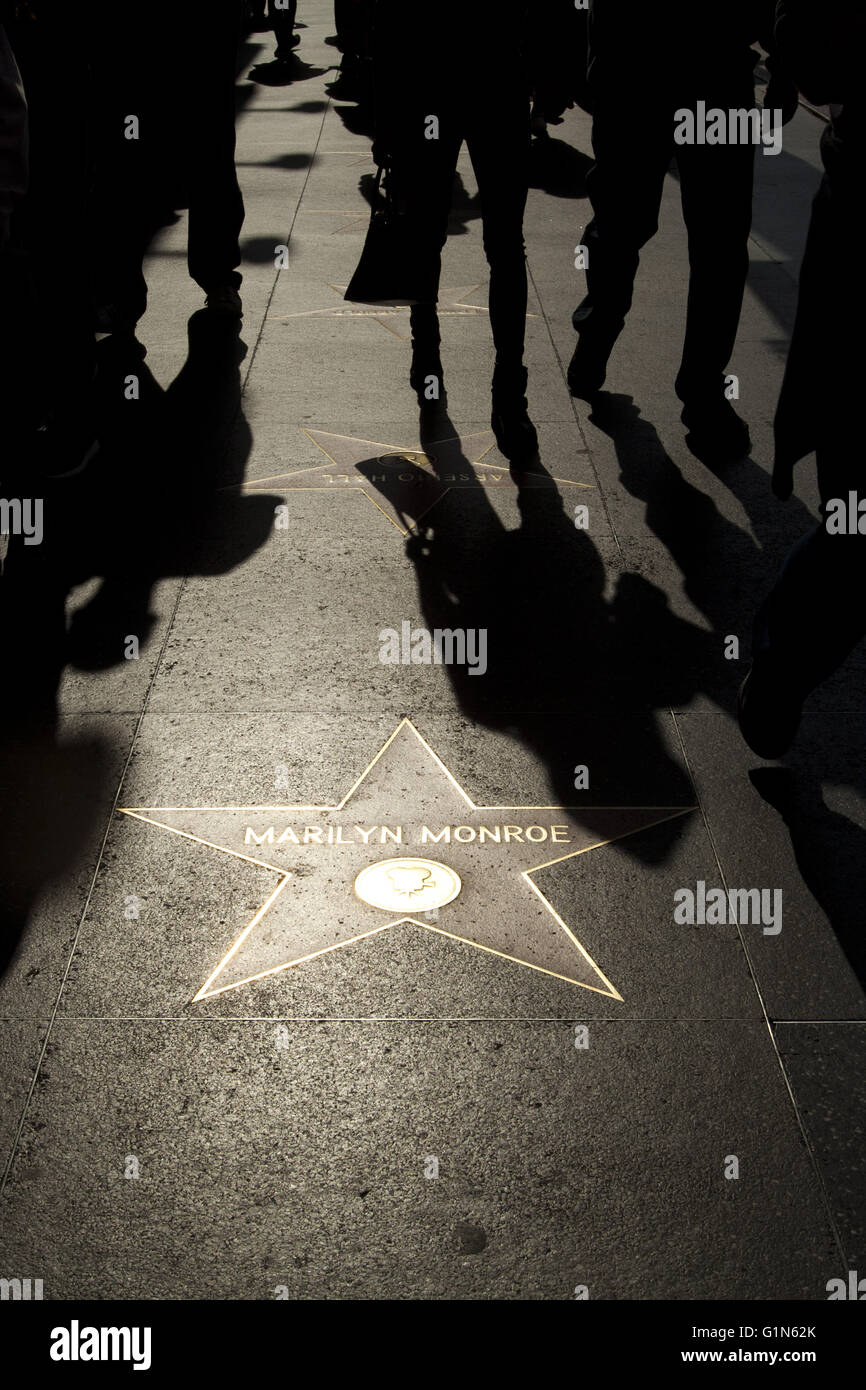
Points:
(452, 303)
(402, 483)
(406, 844)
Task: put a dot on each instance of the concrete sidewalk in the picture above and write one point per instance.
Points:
(540, 1082)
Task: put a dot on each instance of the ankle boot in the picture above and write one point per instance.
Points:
(514, 431)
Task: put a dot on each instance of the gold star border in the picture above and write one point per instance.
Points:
(394, 451)
(452, 305)
(205, 992)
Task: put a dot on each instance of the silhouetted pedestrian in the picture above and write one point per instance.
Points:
(816, 613)
(165, 127)
(648, 64)
(460, 74)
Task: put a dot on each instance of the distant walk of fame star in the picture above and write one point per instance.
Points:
(403, 484)
(406, 845)
(452, 304)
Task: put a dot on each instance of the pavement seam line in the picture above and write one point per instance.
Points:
(580, 430)
(288, 243)
(822, 1186)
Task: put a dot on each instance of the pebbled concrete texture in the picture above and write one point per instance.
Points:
(825, 1065)
(283, 1129)
(556, 1166)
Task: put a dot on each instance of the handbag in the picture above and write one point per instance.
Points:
(390, 272)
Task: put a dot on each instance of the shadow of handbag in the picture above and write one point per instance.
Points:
(390, 271)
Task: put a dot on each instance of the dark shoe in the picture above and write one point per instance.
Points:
(515, 434)
(716, 432)
(224, 300)
(282, 57)
(586, 370)
(769, 711)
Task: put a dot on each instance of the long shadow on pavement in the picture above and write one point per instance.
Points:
(147, 507)
(570, 671)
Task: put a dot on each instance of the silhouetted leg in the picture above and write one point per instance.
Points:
(498, 141)
(216, 215)
(632, 146)
(282, 21)
(216, 209)
(716, 189)
(632, 143)
(128, 164)
(421, 180)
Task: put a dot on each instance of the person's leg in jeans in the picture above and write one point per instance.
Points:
(216, 208)
(282, 15)
(632, 141)
(421, 179)
(716, 191)
(498, 141)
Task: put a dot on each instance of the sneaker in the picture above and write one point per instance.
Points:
(225, 300)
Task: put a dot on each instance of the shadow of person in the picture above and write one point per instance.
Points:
(358, 119)
(166, 465)
(278, 72)
(558, 168)
(575, 674)
(149, 506)
(725, 568)
(298, 160)
(53, 796)
(829, 850)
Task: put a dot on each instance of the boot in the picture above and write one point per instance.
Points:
(510, 422)
(586, 370)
